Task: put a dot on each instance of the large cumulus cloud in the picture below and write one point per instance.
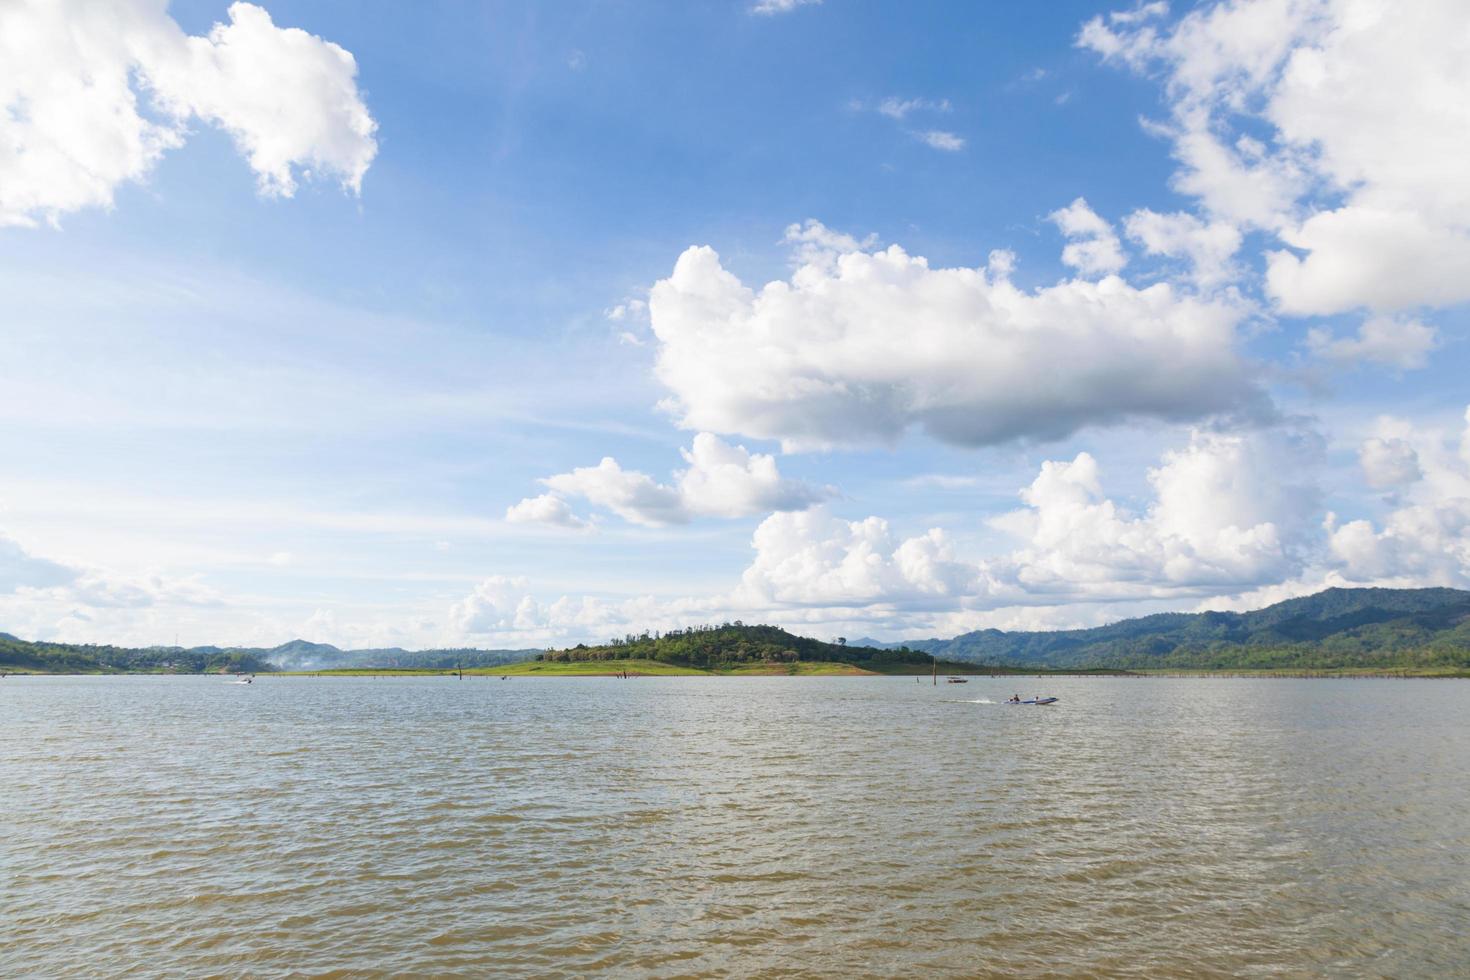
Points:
(859, 346)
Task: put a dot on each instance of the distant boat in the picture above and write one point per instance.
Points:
(1034, 701)
(959, 680)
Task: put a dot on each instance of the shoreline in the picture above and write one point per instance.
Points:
(646, 668)
(1284, 674)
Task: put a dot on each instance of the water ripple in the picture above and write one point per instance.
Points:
(733, 827)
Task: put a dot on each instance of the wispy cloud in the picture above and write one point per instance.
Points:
(900, 109)
(896, 108)
(941, 139)
(770, 8)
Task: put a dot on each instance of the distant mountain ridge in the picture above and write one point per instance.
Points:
(1334, 628)
(305, 655)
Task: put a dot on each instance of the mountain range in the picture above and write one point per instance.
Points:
(1337, 628)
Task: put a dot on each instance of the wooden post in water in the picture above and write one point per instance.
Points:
(934, 665)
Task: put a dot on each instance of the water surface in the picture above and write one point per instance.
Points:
(733, 827)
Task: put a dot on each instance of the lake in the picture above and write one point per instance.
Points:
(733, 827)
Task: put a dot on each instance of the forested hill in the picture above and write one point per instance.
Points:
(89, 658)
(1337, 628)
(75, 658)
(734, 643)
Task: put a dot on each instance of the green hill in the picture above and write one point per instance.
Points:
(1335, 629)
(734, 644)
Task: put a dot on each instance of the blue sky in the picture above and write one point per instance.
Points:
(240, 411)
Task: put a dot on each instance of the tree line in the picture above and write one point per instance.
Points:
(713, 645)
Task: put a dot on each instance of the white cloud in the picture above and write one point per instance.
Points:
(548, 508)
(92, 95)
(895, 108)
(628, 309)
(498, 604)
(814, 558)
(1361, 168)
(633, 496)
(859, 346)
(501, 609)
(1208, 247)
(1365, 256)
(1224, 514)
(288, 98)
(1142, 12)
(813, 243)
(1389, 463)
(1397, 343)
(1426, 540)
(729, 481)
(720, 480)
(70, 129)
(1228, 512)
(1422, 544)
(941, 139)
(899, 109)
(1092, 247)
(769, 8)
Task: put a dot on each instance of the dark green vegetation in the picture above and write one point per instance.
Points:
(70, 658)
(1339, 629)
(735, 644)
(609, 668)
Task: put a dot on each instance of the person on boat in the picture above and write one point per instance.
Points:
(1015, 699)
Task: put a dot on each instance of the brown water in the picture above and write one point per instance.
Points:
(733, 827)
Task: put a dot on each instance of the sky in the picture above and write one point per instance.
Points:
(517, 324)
